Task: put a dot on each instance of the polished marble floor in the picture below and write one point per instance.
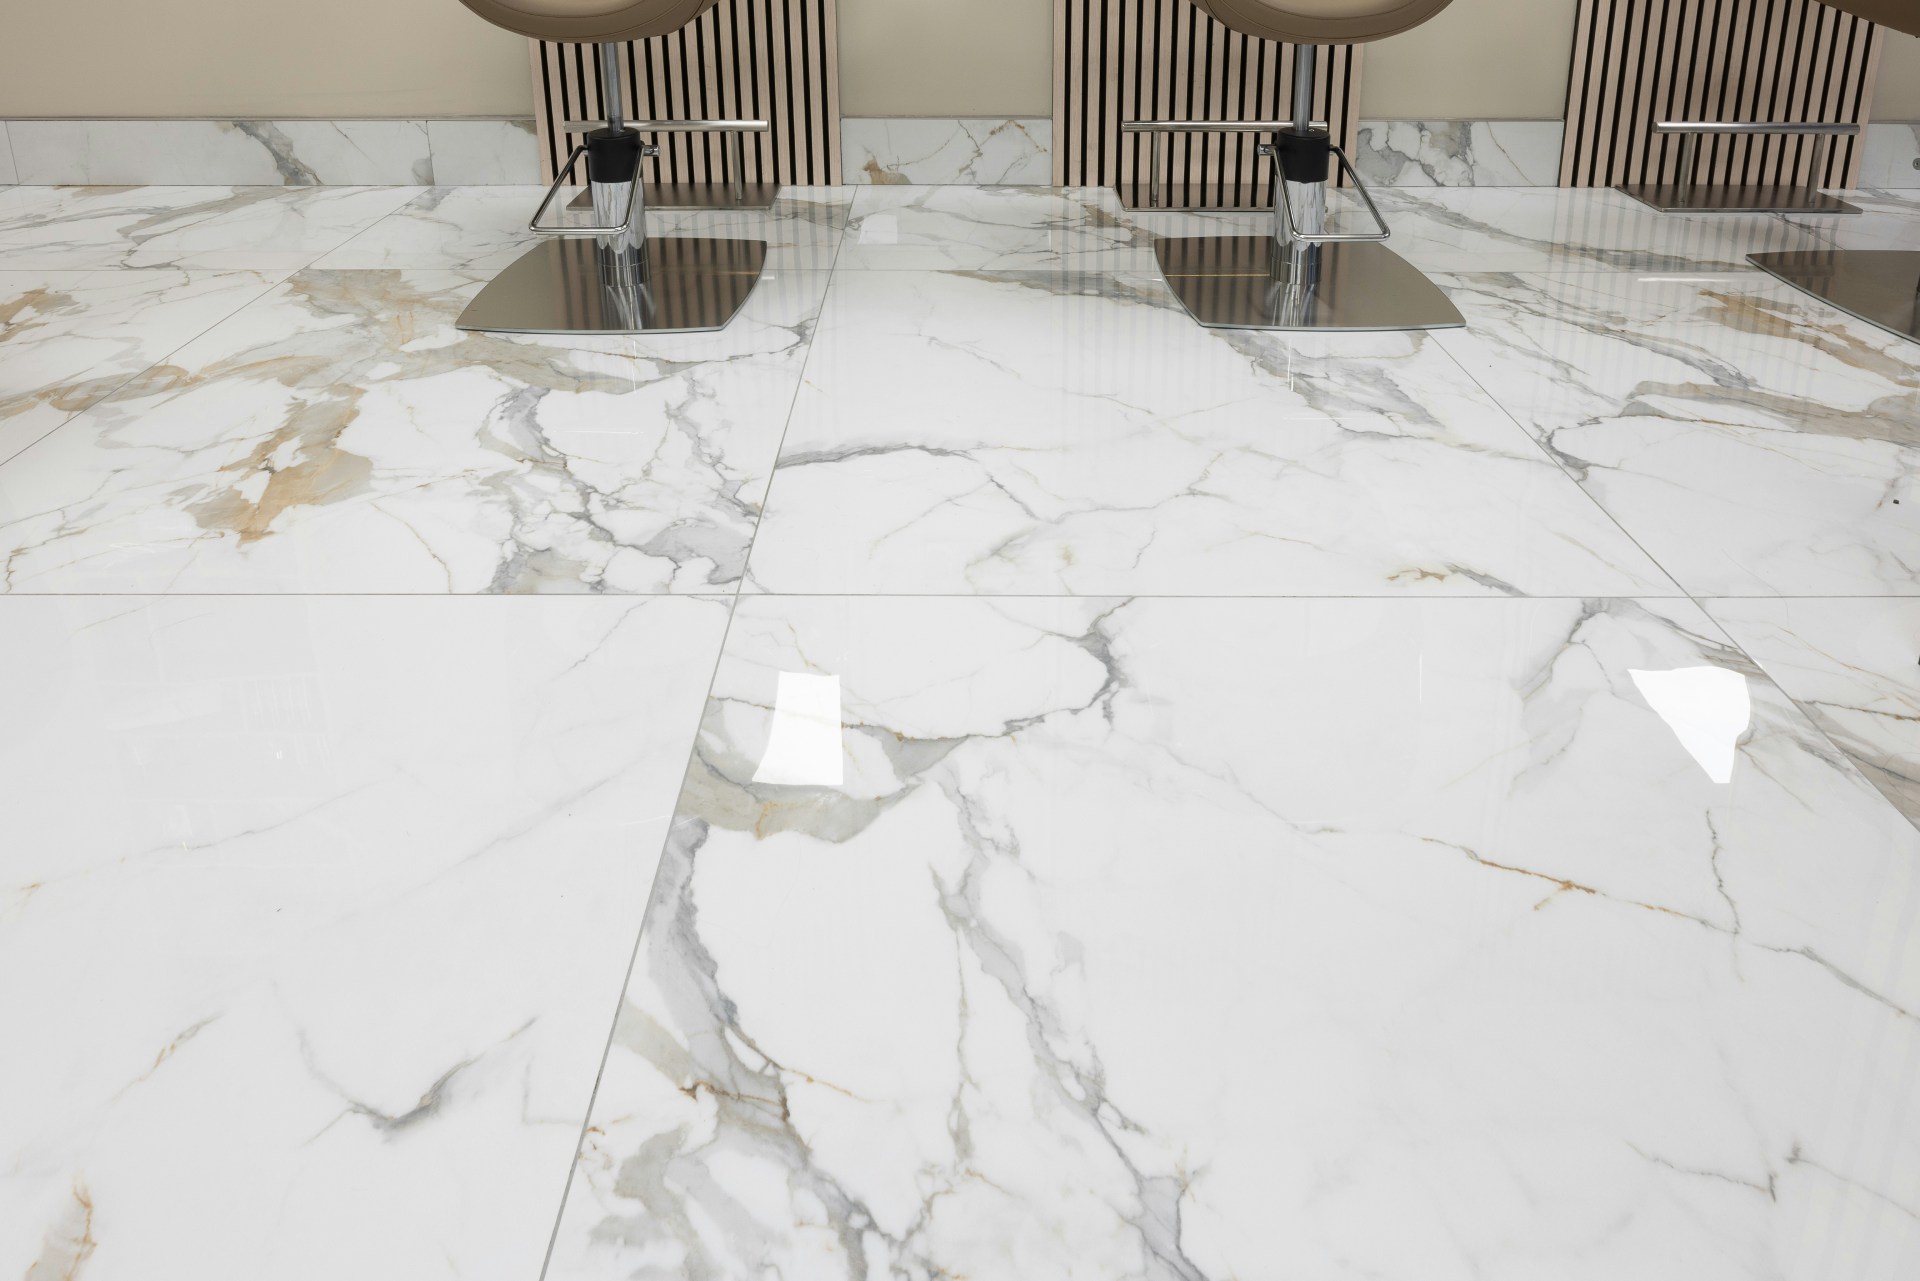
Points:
(1017, 786)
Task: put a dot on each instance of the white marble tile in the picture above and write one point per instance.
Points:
(484, 152)
(446, 229)
(1459, 153)
(1892, 156)
(1854, 666)
(1264, 939)
(984, 153)
(993, 229)
(1752, 439)
(8, 173)
(340, 435)
(69, 338)
(219, 228)
(1033, 434)
(312, 916)
(485, 228)
(223, 152)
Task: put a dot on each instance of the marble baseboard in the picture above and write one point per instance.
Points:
(938, 152)
(1892, 157)
(8, 177)
(291, 153)
(1459, 153)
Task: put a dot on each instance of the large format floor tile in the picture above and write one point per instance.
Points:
(1854, 665)
(1258, 940)
(340, 435)
(312, 916)
(69, 338)
(274, 229)
(1031, 433)
(1752, 439)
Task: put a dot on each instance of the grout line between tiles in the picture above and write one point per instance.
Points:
(1700, 602)
(693, 753)
(272, 283)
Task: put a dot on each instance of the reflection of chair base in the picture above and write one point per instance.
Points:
(699, 195)
(1672, 197)
(1241, 282)
(1880, 286)
(677, 284)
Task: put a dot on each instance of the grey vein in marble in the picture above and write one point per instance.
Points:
(1030, 433)
(221, 228)
(901, 151)
(1854, 665)
(1459, 153)
(69, 338)
(1752, 439)
(347, 935)
(1199, 939)
(341, 435)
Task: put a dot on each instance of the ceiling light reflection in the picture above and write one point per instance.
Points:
(803, 745)
(1707, 708)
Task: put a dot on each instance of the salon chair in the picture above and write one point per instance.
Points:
(606, 275)
(1880, 286)
(1304, 276)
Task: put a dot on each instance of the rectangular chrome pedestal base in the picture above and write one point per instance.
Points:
(1668, 197)
(1240, 282)
(682, 284)
(1880, 286)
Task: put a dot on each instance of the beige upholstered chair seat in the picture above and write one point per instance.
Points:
(1324, 21)
(1898, 15)
(591, 21)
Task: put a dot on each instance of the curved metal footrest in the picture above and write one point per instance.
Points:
(1242, 282)
(678, 284)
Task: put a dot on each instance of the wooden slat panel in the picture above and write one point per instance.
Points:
(773, 60)
(1121, 60)
(1639, 61)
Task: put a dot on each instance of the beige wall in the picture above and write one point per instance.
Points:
(946, 57)
(257, 58)
(1480, 59)
(1896, 95)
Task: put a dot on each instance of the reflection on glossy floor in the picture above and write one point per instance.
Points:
(1096, 798)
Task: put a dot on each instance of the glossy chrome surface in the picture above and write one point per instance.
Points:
(674, 284)
(1880, 286)
(1247, 282)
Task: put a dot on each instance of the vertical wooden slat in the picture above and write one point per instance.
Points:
(1634, 62)
(775, 60)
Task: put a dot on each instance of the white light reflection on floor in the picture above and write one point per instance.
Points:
(803, 746)
(1707, 708)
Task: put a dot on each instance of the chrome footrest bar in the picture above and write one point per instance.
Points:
(553, 189)
(1284, 206)
(731, 129)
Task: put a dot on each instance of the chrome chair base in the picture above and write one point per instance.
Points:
(1673, 197)
(676, 285)
(1879, 286)
(1243, 282)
